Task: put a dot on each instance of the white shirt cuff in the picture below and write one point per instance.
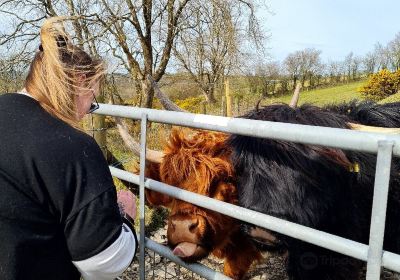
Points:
(112, 261)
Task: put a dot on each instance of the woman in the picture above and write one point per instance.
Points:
(59, 217)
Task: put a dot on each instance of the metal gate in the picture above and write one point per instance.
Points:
(385, 146)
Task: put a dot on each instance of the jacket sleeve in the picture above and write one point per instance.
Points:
(111, 262)
(101, 245)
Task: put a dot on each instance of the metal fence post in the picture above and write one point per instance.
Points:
(379, 205)
(143, 133)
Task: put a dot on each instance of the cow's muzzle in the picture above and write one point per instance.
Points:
(186, 235)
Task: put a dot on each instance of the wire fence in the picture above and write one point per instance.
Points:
(158, 267)
(385, 146)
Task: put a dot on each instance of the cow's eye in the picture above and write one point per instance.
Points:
(213, 186)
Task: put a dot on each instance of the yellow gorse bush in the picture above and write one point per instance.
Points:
(381, 85)
(191, 104)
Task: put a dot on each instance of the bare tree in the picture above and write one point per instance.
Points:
(293, 66)
(394, 52)
(311, 65)
(140, 35)
(348, 61)
(12, 69)
(317, 77)
(336, 70)
(265, 78)
(370, 62)
(352, 64)
(303, 65)
(382, 55)
(355, 66)
(212, 44)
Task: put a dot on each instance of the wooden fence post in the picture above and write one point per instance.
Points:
(228, 98)
(204, 107)
(237, 103)
(223, 106)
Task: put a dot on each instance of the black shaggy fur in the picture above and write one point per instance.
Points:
(314, 186)
(369, 113)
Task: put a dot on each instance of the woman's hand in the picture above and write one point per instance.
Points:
(127, 203)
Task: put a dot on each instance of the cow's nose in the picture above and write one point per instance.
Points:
(184, 225)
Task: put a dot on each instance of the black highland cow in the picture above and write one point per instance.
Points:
(323, 188)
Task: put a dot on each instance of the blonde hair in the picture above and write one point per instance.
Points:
(57, 69)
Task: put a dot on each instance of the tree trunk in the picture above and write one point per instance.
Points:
(139, 89)
(209, 96)
(303, 80)
(148, 92)
(228, 99)
(149, 97)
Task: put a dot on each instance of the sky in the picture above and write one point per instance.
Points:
(336, 27)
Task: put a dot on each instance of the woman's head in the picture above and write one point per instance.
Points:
(63, 77)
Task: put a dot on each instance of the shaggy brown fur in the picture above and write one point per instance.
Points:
(200, 163)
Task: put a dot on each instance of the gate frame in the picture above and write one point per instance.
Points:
(384, 145)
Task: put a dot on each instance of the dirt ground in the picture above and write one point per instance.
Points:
(270, 268)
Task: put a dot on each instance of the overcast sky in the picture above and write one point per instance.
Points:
(334, 26)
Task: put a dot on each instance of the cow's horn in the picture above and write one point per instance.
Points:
(295, 97)
(164, 99)
(151, 155)
(361, 127)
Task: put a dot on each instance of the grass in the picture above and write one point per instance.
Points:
(319, 97)
(336, 94)
(392, 98)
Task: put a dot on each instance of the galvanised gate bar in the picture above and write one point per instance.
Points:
(384, 145)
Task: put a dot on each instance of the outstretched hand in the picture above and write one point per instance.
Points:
(127, 203)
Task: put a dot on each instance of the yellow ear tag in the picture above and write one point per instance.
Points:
(355, 167)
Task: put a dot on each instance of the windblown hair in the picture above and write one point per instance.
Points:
(56, 70)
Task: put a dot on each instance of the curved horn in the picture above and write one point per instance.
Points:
(361, 127)
(165, 101)
(295, 97)
(151, 155)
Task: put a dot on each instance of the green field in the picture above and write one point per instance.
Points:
(392, 98)
(324, 96)
(248, 101)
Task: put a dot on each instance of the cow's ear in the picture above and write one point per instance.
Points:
(334, 155)
(225, 192)
(152, 197)
(158, 199)
(176, 141)
(152, 171)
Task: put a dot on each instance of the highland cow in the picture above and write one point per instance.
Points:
(200, 163)
(323, 188)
